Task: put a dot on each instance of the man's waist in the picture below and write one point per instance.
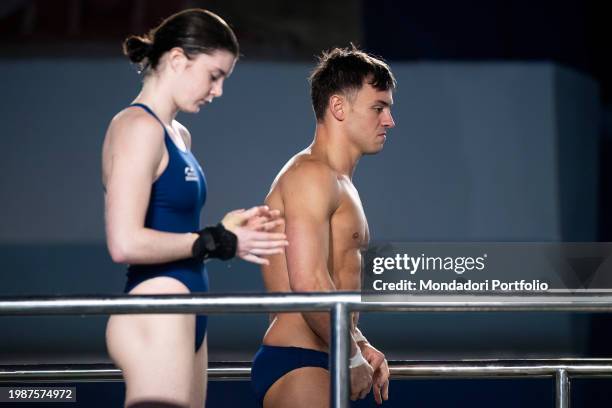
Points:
(291, 330)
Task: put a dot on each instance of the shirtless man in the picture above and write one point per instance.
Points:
(326, 226)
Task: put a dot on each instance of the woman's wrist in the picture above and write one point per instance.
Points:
(214, 242)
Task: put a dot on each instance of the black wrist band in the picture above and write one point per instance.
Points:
(215, 242)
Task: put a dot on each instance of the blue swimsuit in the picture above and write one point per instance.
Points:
(177, 197)
(273, 362)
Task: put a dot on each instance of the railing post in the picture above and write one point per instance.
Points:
(340, 375)
(562, 386)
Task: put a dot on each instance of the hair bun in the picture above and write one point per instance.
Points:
(137, 48)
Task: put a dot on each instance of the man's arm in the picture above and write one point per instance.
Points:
(311, 194)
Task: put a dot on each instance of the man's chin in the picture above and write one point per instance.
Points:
(375, 149)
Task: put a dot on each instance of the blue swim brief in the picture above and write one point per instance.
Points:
(273, 362)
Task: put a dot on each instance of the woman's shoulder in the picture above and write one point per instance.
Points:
(134, 125)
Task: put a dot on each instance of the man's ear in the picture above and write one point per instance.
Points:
(337, 107)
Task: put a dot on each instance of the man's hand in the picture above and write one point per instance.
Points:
(361, 381)
(380, 378)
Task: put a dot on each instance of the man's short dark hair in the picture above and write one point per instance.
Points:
(343, 71)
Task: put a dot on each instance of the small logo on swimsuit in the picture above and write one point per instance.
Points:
(190, 174)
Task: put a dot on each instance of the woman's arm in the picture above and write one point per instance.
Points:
(133, 157)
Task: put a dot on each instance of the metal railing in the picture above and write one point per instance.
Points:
(341, 305)
(400, 369)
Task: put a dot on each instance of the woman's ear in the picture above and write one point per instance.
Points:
(177, 60)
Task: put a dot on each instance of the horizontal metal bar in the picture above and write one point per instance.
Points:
(294, 302)
(189, 303)
(104, 372)
(577, 302)
(503, 368)
(399, 370)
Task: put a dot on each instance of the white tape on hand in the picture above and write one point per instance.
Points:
(357, 360)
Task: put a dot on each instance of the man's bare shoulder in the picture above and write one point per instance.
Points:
(305, 170)
(307, 180)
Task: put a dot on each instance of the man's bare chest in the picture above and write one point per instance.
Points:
(349, 226)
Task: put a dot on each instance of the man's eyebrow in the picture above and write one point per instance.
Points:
(383, 103)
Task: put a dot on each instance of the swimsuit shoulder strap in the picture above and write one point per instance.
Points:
(150, 111)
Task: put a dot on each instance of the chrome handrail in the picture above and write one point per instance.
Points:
(400, 369)
(296, 302)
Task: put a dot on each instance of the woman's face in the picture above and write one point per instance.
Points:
(202, 79)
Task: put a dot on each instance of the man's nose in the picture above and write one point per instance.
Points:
(388, 121)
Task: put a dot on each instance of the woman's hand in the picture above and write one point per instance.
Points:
(251, 227)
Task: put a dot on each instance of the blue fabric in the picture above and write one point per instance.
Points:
(177, 198)
(272, 362)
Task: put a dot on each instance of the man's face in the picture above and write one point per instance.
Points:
(369, 117)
